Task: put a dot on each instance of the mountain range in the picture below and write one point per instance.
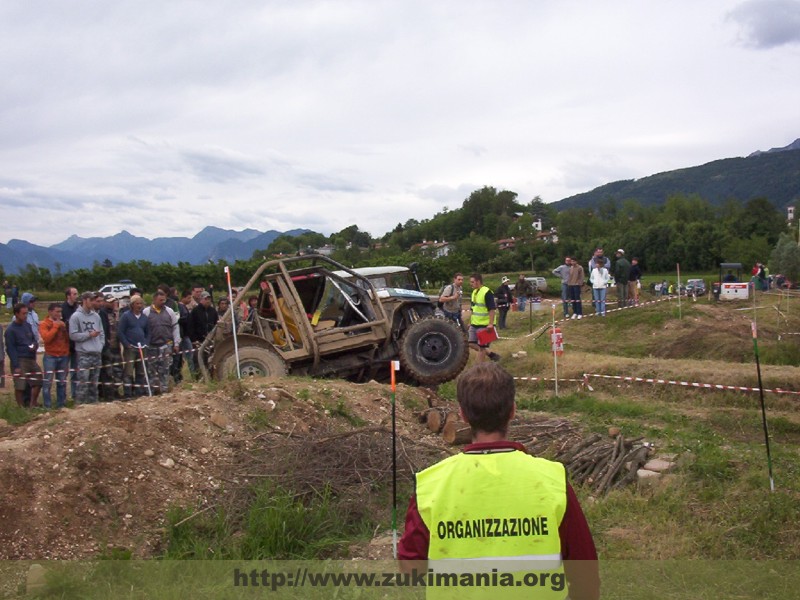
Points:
(212, 243)
(773, 174)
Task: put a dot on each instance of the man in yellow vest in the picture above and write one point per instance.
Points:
(495, 521)
(481, 322)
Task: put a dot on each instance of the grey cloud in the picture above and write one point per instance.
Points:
(768, 23)
(329, 183)
(474, 149)
(449, 196)
(220, 167)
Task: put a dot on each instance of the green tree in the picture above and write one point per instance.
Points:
(785, 257)
(761, 218)
(747, 251)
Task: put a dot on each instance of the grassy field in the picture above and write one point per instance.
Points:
(718, 502)
(707, 521)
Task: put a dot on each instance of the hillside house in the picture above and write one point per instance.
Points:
(435, 249)
(506, 244)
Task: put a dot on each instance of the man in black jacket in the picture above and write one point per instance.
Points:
(202, 320)
(503, 299)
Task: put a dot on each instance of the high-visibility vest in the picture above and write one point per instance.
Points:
(480, 314)
(504, 507)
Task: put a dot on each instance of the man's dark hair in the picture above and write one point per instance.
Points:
(486, 396)
(477, 277)
(67, 289)
(186, 294)
(159, 292)
(164, 288)
(53, 305)
(18, 307)
(198, 285)
(457, 275)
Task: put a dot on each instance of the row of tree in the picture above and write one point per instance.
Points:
(685, 229)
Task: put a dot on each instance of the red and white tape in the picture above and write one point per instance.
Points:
(692, 384)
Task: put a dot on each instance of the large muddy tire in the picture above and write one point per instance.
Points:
(433, 350)
(254, 361)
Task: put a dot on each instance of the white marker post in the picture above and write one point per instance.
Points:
(144, 368)
(680, 314)
(233, 322)
(393, 367)
(554, 349)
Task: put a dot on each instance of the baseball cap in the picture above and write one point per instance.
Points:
(620, 251)
(205, 295)
(505, 280)
(111, 298)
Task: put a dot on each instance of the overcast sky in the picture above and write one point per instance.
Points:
(164, 117)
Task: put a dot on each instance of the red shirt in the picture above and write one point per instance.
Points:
(576, 539)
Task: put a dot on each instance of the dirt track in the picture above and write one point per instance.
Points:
(78, 482)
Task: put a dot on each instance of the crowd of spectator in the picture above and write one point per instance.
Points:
(96, 346)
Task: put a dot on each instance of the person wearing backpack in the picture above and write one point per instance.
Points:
(450, 299)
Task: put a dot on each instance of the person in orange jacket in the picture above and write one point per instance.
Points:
(55, 336)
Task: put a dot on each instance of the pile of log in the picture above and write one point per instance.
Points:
(446, 422)
(604, 464)
(600, 462)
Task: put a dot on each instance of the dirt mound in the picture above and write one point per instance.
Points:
(79, 482)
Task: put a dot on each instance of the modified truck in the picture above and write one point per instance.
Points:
(317, 317)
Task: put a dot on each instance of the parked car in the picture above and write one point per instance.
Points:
(539, 284)
(695, 287)
(118, 290)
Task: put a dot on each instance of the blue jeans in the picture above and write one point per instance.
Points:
(454, 316)
(575, 296)
(565, 298)
(521, 303)
(55, 368)
(599, 296)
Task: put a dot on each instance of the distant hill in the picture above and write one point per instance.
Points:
(774, 175)
(212, 243)
(795, 145)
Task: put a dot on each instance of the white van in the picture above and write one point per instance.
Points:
(118, 290)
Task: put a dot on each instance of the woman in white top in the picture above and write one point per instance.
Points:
(599, 279)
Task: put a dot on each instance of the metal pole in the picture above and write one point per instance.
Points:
(680, 314)
(232, 310)
(763, 407)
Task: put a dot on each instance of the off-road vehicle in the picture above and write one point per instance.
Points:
(322, 319)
